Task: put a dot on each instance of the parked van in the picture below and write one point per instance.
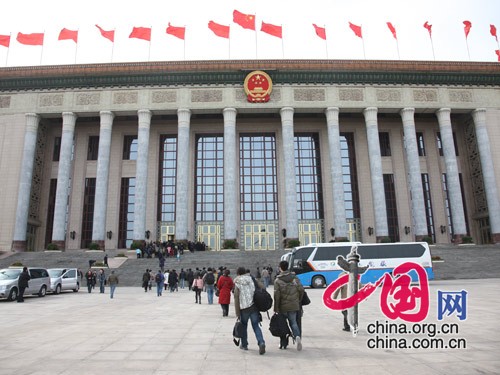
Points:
(38, 284)
(63, 279)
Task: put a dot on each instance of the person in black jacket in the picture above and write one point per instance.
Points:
(24, 277)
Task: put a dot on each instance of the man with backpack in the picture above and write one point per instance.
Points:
(288, 293)
(159, 279)
(209, 281)
(245, 308)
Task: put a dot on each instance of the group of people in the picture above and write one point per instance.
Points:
(92, 277)
(166, 249)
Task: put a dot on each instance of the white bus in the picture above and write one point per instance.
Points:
(316, 264)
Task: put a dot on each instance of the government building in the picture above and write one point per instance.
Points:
(257, 152)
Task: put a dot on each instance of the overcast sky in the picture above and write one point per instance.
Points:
(296, 16)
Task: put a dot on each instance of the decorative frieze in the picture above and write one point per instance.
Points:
(51, 100)
(206, 96)
(460, 96)
(351, 95)
(309, 95)
(164, 97)
(4, 101)
(125, 97)
(387, 95)
(425, 95)
(88, 98)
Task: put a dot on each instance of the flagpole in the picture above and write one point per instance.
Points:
(397, 47)
(149, 48)
(76, 47)
(432, 45)
(467, 44)
(8, 49)
(326, 43)
(282, 45)
(41, 53)
(112, 48)
(229, 47)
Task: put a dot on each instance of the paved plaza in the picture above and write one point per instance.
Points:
(140, 333)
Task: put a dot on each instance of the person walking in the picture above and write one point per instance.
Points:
(197, 287)
(225, 285)
(190, 278)
(113, 282)
(265, 277)
(288, 292)
(102, 280)
(145, 280)
(209, 281)
(22, 283)
(182, 278)
(89, 276)
(245, 309)
(159, 279)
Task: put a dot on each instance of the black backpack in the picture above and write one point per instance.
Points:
(209, 278)
(261, 298)
(157, 278)
(279, 326)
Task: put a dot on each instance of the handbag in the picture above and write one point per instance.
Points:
(305, 299)
(217, 292)
(195, 288)
(238, 331)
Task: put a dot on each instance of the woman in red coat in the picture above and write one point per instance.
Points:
(225, 285)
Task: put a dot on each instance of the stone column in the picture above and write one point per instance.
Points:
(141, 174)
(63, 177)
(292, 223)
(26, 175)
(332, 119)
(101, 188)
(378, 191)
(414, 175)
(231, 207)
(452, 180)
(489, 180)
(182, 189)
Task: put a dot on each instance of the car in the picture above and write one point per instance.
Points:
(63, 279)
(39, 283)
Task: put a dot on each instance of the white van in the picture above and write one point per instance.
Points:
(63, 279)
(38, 284)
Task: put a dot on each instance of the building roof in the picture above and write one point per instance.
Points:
(233, 72)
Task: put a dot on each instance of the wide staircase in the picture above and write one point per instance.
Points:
(130, 269)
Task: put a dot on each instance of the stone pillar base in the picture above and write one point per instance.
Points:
(61, 245)
(495, 238)
(457, 239)
(19, 246)
(341, 239)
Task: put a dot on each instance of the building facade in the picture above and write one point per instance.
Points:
(360, 150)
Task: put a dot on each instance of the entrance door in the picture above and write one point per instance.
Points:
(210, 234)
(310, 233)
(167, 232)
(259, 236)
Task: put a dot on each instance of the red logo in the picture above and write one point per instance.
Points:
(258, 86)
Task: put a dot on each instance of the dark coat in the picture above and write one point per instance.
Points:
(288, 292)
(225, 285)
(24, 277)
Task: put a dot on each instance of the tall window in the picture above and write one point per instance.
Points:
(126, 223)
(167, 178)
(385, 144)
(349, 176)
(420, 144)
(88, 212)
(428, 206)
(50, 211)
(57, 149)
(308, 176)
(130, 147)
(209, 188)
(258, 181)
(392, 209)
(93, 148)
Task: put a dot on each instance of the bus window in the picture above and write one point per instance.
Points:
(331, 253)
(382, 251)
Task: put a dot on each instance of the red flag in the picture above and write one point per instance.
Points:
(35, 39)
(66, 34)
(356, 29)
(428, 27)
(5, 40)
(107, 34)
(179, 32)
(393, 30)
(497, 51)
(141, 33)
(467, 26)
(273, 30)
(219, 30)
(493, 31)
(320, 31)
(247, 21)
